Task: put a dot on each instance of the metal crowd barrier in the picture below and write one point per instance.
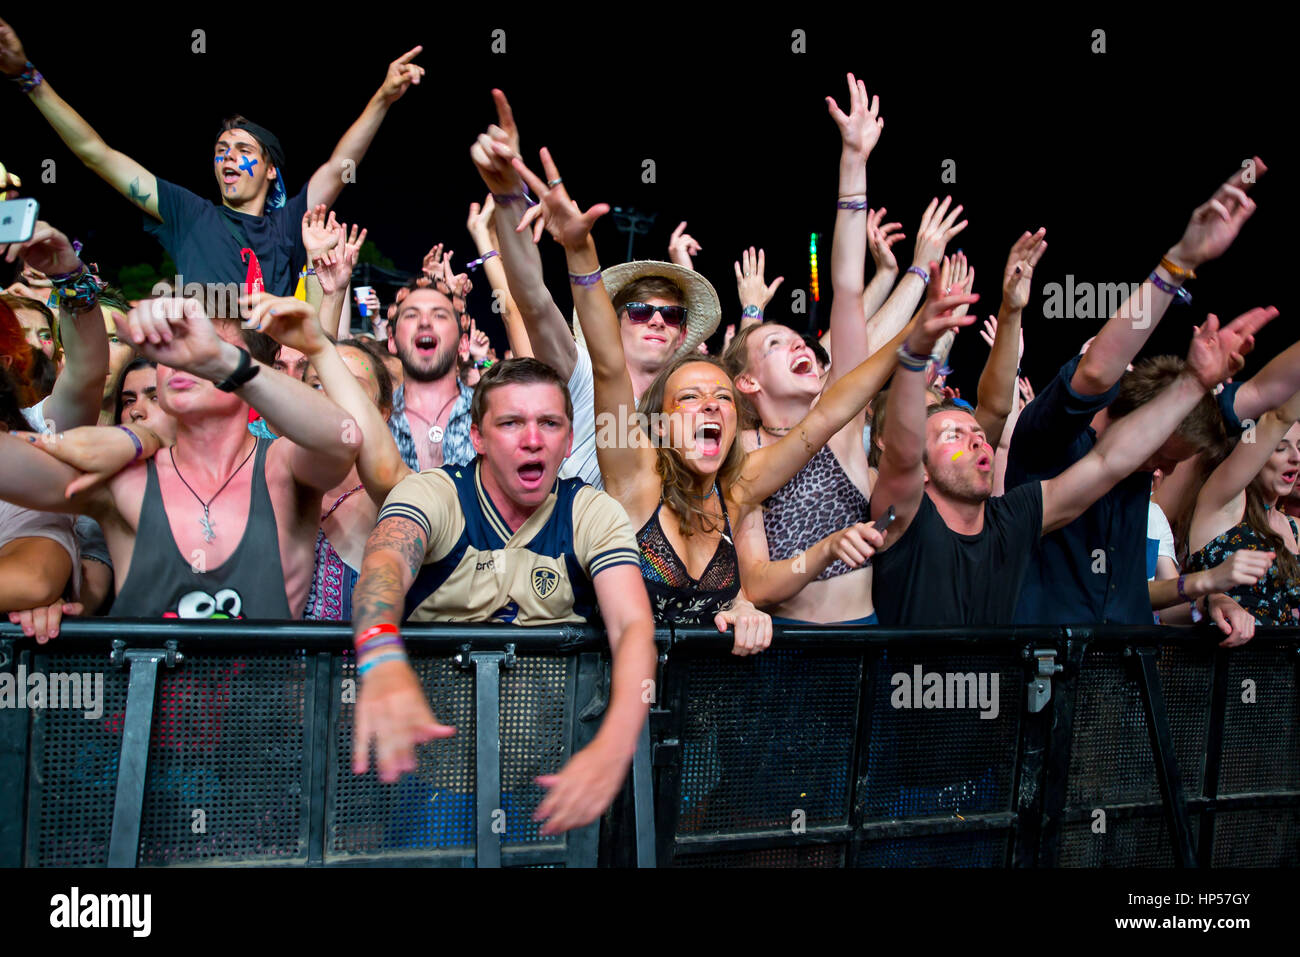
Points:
(216, 743)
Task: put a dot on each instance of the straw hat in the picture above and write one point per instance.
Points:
(703, 309)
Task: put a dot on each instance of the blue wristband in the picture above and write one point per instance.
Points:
(925, 276)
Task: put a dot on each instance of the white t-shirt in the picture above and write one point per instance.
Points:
(581, 462)
(35, 416)
(1158, 531)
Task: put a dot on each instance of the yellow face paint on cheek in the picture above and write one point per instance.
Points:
(957, 455)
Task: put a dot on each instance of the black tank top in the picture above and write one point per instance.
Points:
(162, 582)
(675, 597)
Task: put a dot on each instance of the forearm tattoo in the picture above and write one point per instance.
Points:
(380, 593)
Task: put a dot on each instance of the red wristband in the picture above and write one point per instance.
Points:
(374, 631)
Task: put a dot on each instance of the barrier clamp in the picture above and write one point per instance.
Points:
(1040, 685)
(172, 657)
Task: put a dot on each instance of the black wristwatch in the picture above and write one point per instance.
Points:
(243, 372)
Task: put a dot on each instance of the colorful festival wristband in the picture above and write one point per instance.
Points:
(383, 641)
(474, 264)
(379, 660)
(1178, 292)
(29, 79)
(375, 631)
(851, 204)
(590, 279)
(925, 276)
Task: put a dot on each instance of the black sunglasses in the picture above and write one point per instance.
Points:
(642, 311)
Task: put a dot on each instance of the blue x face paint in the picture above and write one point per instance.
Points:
(247, 164)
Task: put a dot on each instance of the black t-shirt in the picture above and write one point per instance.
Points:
(204, 250)
(934, 576)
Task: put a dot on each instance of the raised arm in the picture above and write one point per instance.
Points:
(79, 389)
(682, 246)
(752, 287)
(1235, 472)
(327, 182)
(1213, 227)
(177, 334)
(880, 240)
(900, 478)
(117, 169)
(938, 226)
(1215, 354)
(482, 228)
(626, 464)
(549, 334)
(1270, 387)
(859, 132)
(33, 479)
(997, 385)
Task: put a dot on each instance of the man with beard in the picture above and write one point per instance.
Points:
(431, 409)
(956, 554)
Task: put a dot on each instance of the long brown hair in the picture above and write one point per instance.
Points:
(677, 479)
(1256, 517)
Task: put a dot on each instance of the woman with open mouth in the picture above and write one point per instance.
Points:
(674, 463)
(1236, 509)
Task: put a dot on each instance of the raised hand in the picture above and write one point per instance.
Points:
(402, 73)
(937, 228)
(176, 333)
(48, 251)
(682, 246)
(753, 628)
(1215, 224)
(881, 239)
(1217, 353)
(479, 223)
(334, 268)
(1016, 278)
(990, 332)
(492, 158)
(12, 58)
(289, 321)
(318, 235)
(960, 277)
(479, 343)
(565, 220)
(860, 127)
(506, 122)
(751, 285)
(939, 312)
(1026, 391)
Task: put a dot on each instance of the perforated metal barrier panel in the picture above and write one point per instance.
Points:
(1042, 747)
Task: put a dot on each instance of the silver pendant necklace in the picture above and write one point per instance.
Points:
(209, 532)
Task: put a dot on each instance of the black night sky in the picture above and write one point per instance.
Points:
(1111, 152)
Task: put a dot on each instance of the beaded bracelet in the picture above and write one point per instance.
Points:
(1178, 292)
(851, 204)
(925, 276)
(29, 79)
(590, 279)
(139, 449)
(386, 657)
(474, 264)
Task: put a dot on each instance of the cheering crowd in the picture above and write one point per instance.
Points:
(249, 456)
